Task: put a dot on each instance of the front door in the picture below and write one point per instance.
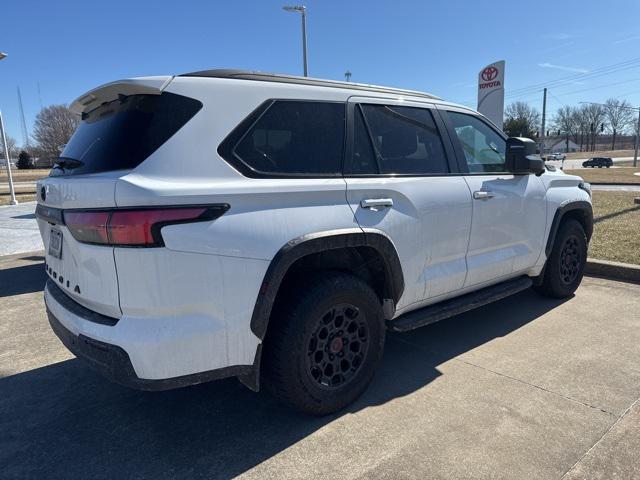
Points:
(509, 211)
(400, 182)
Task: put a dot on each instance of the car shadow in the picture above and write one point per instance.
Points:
(24, 278)
(65, 421)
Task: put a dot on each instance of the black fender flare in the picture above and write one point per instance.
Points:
(318, 242)
(581, 205)
(306, 245)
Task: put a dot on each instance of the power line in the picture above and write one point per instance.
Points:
(552, 84)
(600, 71)
(571, 92)
(557, 99)
(536, 89)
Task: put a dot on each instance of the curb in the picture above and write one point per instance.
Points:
(614, 270)
(615, 184)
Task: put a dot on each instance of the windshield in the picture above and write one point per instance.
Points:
(121, 134)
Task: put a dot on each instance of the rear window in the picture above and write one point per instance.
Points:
(120, 135)
(289, 138)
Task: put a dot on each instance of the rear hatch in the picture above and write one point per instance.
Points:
(85, 272)
(122, 123)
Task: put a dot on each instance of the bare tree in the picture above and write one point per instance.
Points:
(11, 146)
(594, 115)
(582, 127)
(53, 127)
(566, 121)
(521, 120)
(619, 116)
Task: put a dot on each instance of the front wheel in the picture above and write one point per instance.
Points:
(565, 266)
(327, 340)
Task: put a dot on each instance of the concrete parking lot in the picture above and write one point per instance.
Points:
(18, 229)
(525, 388)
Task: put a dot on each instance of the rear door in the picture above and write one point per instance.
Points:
(509, 211)
(401, 182)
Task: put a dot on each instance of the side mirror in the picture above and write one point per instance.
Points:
(523, 156)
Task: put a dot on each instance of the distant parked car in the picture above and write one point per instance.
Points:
(598, 162)
(556, 156)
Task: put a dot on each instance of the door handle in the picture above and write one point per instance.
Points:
(375, 203)
(482, 195)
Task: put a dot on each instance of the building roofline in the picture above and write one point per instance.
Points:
(318, 82)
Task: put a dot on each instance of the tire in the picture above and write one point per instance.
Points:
(332, 318)
(565, 266)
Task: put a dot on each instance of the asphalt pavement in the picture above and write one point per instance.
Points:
(526, 388)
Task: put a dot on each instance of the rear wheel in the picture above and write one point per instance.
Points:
(326, 343)
(565, 266)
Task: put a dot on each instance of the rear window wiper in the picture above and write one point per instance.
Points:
(67, 163)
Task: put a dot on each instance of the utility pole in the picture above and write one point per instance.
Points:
(3, 137)
(544, 119)
(347, 76)
(23, 122)
(40, 96)
(635, 153)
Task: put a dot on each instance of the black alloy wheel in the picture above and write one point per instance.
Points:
(337, 346)
(570, 258)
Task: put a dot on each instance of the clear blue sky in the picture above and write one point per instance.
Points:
(70, 46)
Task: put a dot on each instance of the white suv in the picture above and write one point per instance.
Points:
(227, 223)
(556, 156)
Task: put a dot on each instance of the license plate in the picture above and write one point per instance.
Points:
(55, 243)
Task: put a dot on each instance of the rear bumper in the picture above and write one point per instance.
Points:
(113, 361)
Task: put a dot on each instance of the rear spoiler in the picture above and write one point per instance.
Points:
(111, 91)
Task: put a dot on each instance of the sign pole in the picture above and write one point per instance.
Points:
(13, 200)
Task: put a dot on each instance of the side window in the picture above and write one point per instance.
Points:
(484, 149)
(295, 137)
(396, 140)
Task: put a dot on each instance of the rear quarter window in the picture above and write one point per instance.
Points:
(121, 134)
(289, 138)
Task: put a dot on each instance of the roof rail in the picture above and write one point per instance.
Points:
(274, 77)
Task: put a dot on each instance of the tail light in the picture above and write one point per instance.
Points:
(134, 227)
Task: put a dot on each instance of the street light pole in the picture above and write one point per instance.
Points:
(3, 137)
(303, 13)
(13, 200)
